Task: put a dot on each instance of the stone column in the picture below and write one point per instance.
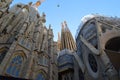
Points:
(27, 68)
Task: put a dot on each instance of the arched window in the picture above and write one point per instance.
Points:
(15, 66)
(40, 77)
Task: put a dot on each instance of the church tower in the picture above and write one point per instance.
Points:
(67, 41)
(66, 59)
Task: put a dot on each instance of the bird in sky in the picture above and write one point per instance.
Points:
(58, 5)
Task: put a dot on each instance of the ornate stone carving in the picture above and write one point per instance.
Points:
(4, 5)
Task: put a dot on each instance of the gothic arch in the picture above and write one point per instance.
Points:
(20, 52)
(15, 64)
(41, 75)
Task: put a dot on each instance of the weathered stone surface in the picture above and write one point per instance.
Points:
(23, 29)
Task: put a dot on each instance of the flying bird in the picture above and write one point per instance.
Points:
(58, 5)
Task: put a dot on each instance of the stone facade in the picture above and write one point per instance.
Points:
(98, 45)
(68, 68)
(97, 55)
(27, 49)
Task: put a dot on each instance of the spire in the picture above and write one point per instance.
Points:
(62, 36)
(62, 26)
(49, 26)
(43, 17)
(58, 42)
(58, 36)
(67, 41)
(65, 23)
(66, 27)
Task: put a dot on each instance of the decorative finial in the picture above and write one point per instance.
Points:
(38, 3)
(65, 23)
(49, 26)
(43, 17)
(66, 27)
(62, 25)
(43, 14)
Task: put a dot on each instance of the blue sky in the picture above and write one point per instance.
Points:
(73, 10)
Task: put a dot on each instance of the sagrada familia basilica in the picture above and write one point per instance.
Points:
(28, 51)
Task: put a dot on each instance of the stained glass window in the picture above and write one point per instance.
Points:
(40, 77)
(15, 65)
